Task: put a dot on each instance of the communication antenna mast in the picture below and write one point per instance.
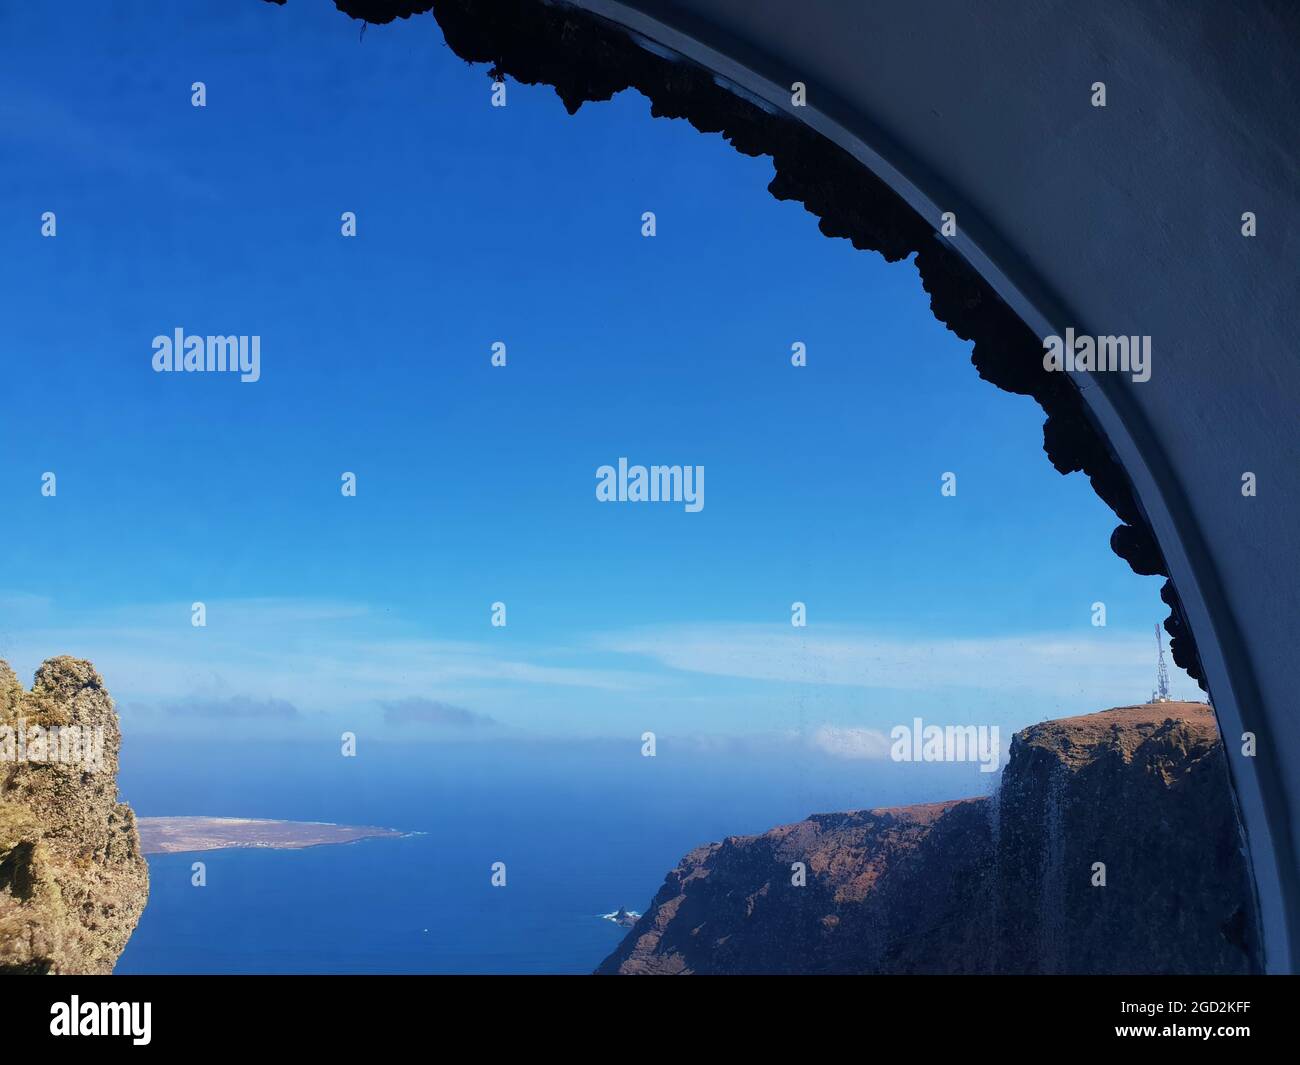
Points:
(1161, 694)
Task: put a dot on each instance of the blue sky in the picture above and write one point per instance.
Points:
(476, 484)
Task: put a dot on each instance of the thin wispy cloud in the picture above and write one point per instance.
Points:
(1123, 663)
(236, 707)
(307, 663)
(416, 711)
(259, 658)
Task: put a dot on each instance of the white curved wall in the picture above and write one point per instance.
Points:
(1117, 220)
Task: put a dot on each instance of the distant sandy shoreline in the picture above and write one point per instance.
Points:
(176, 835)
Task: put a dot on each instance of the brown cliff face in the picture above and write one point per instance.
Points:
(73, 882)
(998, 884)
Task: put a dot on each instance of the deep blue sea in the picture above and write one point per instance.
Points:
(582, 827)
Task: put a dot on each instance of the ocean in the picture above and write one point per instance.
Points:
(582, 828)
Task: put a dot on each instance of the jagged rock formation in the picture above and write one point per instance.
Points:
(996, 884)
(73, 882)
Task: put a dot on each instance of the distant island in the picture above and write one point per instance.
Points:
(174, 835)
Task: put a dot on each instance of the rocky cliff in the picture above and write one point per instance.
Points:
(1006, 883)
(72, 879)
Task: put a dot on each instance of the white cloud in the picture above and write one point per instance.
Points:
(311, 653)
(1108, 664)
(327, 657)
(850, 743)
